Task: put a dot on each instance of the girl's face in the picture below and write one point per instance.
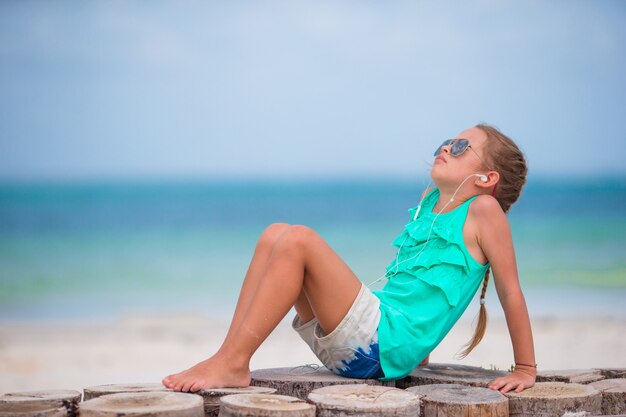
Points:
(452, 170)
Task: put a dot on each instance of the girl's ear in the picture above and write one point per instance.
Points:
(492, 179)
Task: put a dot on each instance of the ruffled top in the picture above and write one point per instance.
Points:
(429, 286)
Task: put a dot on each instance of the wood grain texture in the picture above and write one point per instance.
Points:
(264, 405)
(364, 400)
(553, 399)
(576, 376)
(98, 390)
(212, 397)
(613, 395)
(31, 410)
(455, 400)
(612, 373)
(441, 373)
(41, 400)
(300, 381)
(144, 404)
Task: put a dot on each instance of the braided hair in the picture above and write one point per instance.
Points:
(504, 156)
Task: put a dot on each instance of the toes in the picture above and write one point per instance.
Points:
(197, 386)
(171, 381)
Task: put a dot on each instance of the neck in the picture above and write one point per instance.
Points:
(446, 192)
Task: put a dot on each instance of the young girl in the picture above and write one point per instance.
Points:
(457, 233)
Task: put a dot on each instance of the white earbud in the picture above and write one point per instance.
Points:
(482, 177)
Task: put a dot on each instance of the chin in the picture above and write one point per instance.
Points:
(436, 181)
(435, 175)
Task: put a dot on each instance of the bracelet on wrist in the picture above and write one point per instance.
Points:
(526, 372)
(525, 369)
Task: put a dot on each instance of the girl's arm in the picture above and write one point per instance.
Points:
(494, 238)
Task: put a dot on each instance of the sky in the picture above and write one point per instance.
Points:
(305, 89)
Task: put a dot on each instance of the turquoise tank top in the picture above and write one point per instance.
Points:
(420, 303)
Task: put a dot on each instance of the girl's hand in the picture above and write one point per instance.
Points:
(517, 380)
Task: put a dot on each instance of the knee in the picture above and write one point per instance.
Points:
(272, 233)
(298, 236)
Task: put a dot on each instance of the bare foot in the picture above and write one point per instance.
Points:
(425, 361)
(214, 372)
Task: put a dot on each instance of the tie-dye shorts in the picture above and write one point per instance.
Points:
(351, 350)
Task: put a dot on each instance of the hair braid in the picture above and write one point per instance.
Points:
(505, 157)
(479, 332)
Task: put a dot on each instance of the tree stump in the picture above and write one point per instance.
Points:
(455, 400)
(264, 405)
(577, 376)
(212, 397)
(613, 395)
(98, 390)
(449, 374)
(144, 404)
(301, 380)
(31, 410)
(612, 373)
(32, 401)
(553, 399)
(364, 400)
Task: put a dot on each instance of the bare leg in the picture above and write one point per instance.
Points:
(255, 271)
(300, 263)
(257, 267)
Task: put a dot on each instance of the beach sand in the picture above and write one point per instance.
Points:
(145, 348)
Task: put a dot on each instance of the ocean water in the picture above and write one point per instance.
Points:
(85, 250)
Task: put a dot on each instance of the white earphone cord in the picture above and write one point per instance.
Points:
(419, 207)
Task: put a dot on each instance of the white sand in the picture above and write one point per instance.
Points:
(145, 348)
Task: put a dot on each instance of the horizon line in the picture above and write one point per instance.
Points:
(282, 179)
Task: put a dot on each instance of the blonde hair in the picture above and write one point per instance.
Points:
(503, 156)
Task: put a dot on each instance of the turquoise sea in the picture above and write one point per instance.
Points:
(100, 249)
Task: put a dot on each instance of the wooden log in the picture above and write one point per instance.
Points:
(442, 373)
(41, 400)
(455, 400)
(264, 405)
(586, 414)
(613, 395)
(301, 380)
(98, 390)
(31, 410)
(612, 373)
(582, 414)
(144, 404)
(553, 399)
(577, 376)
(212, 397)
(364, 400)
